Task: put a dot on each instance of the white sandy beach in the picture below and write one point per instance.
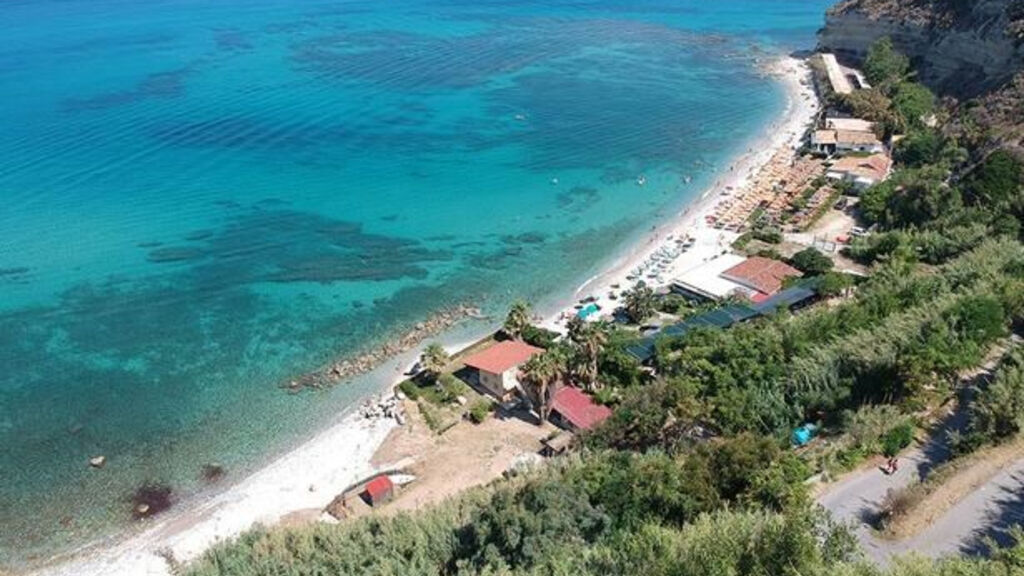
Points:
(314, 473)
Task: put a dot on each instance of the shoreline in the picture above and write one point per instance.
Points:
(802, 106)
(308, 477)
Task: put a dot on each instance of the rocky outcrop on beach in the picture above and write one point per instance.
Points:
(384, 408)
(958, 48)
(363, 363)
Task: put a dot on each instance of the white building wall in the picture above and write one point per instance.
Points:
(500, 385)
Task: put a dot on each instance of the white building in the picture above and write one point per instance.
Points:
(498, 366)
(705, 281)
(862, 172)
(851, 124)
(835, 140)
(836, 77)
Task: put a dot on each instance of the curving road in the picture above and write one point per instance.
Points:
(988, 512)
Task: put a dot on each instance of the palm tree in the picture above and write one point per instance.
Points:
(576, 327)
(639, 302)
(434, 360)
(540, 374)
(588, 355)
(518, 319)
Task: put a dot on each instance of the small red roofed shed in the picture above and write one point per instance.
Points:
(379, 491)
(575, 410)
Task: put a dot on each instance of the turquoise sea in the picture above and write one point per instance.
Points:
(201, 200)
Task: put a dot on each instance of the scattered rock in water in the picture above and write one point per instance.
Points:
(198, 235)
(213, 472)
(366, 362)
(20, 271)
(150, 499)
(98, 461)
(165, 255)
(74, 429)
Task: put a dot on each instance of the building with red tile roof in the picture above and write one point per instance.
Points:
(498, 366)
(572, 409)
(862, 172)
(762, 274)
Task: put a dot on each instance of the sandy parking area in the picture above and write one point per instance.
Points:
(464, 456)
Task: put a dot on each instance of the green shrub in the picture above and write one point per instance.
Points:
(450, 388)
(479, 410)
(812, 262)
(897, 439)
(539, 337)
(410, 389)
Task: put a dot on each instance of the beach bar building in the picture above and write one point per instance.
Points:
(705, 282)
(763, 275)
(498, 367)
(836, 77)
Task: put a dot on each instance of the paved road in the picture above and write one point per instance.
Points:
(986, 512)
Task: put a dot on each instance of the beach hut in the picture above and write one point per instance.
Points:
(379, 491)
(862, 172)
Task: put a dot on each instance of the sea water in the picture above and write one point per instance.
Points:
(200, 201)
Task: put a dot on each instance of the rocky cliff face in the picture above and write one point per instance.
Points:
(959, 47)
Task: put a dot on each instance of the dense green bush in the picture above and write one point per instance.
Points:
(997, 413)
(811, 261)
(537, 336)
(479, 410)
(884, 64)
(897, 439)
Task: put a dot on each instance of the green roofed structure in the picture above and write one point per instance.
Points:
(726, 316)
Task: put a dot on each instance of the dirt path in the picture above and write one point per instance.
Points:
(464, 456)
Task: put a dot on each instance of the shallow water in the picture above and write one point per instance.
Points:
(201, 200)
